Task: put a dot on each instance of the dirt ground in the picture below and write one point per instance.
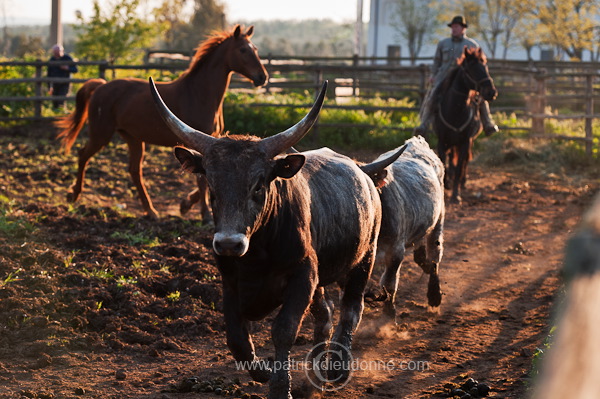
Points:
(97, 301)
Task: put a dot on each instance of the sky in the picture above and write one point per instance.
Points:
(39, 11)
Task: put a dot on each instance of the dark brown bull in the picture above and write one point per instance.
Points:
(285, 227)
(125, 106)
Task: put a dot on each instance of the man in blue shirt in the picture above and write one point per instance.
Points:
(60, 89)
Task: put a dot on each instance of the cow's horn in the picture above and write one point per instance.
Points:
(191, 137)
(378, 166)
(281, 142)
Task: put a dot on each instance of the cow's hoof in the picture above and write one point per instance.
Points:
(337, 376)
(388, 316)
(434, 293)
(261, 376)
(307, 390)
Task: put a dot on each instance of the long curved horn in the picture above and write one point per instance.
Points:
(281, 142)
(191, 137)
(378, 166)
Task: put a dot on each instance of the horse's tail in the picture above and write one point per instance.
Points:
(71, 125)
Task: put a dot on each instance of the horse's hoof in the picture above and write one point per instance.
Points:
(456, 199)
(152, 214)
(184, 207)
(72, 197)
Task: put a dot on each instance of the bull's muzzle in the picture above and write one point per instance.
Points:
(230, 244)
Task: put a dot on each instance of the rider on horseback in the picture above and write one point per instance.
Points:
(447, 52)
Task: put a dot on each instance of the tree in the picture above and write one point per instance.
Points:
(596, 49)
(413, 21)
(25, 45)
(114, 34)
(568, 25)
(208, 16)
(512, 16)
(169, 15)
(493, 23)
(525, 31)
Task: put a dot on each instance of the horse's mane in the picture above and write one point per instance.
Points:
(207, 47)
(447, 82)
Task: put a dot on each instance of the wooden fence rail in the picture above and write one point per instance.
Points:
(532, 91)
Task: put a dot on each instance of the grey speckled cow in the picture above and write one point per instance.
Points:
(412, 199)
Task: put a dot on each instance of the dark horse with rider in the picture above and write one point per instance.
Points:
(457, 103)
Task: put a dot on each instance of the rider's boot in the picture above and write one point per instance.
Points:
(489, 126)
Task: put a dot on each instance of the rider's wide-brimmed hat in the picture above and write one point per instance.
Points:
(459, 19)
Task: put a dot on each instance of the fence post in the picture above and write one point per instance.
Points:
(589, 112)
(102, 70)
(37, 113)
(268, 68)
(354, 75)
(539, 105)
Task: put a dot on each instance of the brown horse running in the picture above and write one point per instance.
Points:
(125, 106)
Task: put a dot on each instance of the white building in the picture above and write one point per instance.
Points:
(382, 39)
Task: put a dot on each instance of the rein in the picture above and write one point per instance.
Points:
(463, 126)
(471, 112)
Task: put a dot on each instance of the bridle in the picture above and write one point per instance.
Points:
(468, 78)
(471, 111)
(471, 79)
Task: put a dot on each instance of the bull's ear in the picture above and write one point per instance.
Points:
(288, 166)
(190, 160)
(379, 178)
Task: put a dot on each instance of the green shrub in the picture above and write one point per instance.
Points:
(14, 108)
(337, 128)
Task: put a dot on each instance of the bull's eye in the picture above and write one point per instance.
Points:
(257, 192)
